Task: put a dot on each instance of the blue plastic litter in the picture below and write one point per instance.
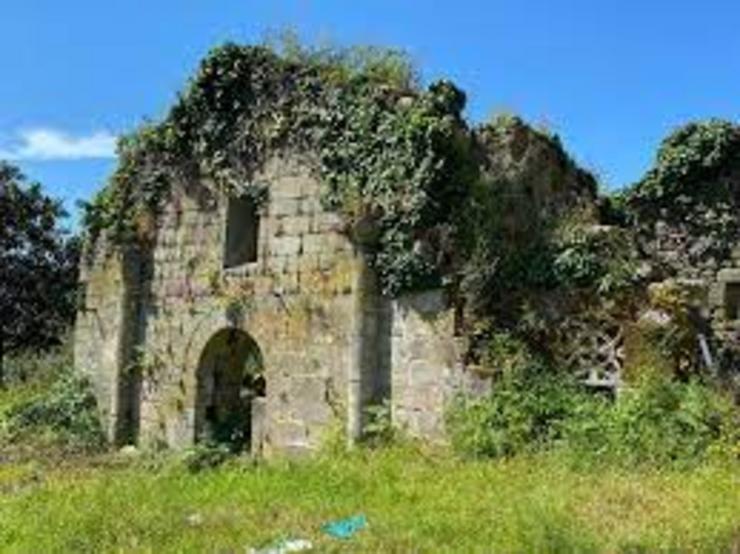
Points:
(345, 528)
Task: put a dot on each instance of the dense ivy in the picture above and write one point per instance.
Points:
(541, 256)
(692, 162)
(693, 193)
(391, 155)
(428, 199)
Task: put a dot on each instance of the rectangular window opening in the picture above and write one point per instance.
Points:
(732, 301)
(242, 232)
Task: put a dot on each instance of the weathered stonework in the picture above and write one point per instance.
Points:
(424, 361)
(681, 253)
(328, 343)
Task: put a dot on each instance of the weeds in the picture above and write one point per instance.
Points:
(659, 422)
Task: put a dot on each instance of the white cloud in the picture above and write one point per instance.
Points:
(50, 144)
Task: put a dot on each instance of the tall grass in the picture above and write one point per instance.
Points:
(416, 500)
(48, 409)
(659, 421)
(660, 475)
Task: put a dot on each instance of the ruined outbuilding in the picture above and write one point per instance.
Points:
(266, 325)
(293, 246)
(263, 324)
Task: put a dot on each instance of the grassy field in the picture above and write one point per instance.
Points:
(415, 500)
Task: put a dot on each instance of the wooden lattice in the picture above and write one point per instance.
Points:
(594, 349)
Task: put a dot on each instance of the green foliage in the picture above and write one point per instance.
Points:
(507, 355)
(597, 257)
(203, 457)
(34, 368)
(524, 413)
(691, 162)
(416, 500)
(389, 154)
(659, 422)
(38, 267)
(378, 429)
(530, 288)
(692, 189)
(342, 64)
(403, 163)
(535, 227)
(64, 414)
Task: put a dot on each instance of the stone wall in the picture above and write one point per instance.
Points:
(330, 343)
(296, 301)
(530, 172)
(724, 314)
(105, 336)
(425, 363)
(679, 248)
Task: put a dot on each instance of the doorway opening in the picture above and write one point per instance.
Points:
(229, 380)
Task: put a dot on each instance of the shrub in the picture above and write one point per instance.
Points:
(38, 368)
(525, 412)
(379, 429)
(65, 414)
(206, 456)
(691, 161)
(659, 422)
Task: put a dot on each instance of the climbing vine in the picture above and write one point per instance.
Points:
(692, 162)
(690, 197)
(392, 156)
(501, 212)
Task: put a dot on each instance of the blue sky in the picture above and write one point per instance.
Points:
(611, 77)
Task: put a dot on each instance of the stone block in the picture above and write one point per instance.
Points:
(286, 435)
(293, 225)
(425, 373)
(323, 222)
(287, 186)
(285, 207)
(317, 244)
(286, 246)
(308, 400)
(729, 275)
(311, 204)
(282, 264)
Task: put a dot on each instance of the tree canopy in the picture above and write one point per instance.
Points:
(38, 266)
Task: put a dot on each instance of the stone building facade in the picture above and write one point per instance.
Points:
(709, 266)
(261, 326)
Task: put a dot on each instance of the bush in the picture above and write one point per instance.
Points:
(526, 412)
(38, 367)
(658, 422)
(206, 456)
(379, 429)
(65, 414)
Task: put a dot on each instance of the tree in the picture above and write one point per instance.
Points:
(38, 267)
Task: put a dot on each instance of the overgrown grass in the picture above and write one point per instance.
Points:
(658, 421)
(48, 410)
(416, 500)
(658, 478)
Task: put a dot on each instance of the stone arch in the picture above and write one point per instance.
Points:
(229, 381)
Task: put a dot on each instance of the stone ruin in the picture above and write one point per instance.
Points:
(279, 332)
(265, 326)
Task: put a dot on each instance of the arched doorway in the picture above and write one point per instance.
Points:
(229, 378)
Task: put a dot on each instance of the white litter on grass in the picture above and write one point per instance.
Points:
(283, 547)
